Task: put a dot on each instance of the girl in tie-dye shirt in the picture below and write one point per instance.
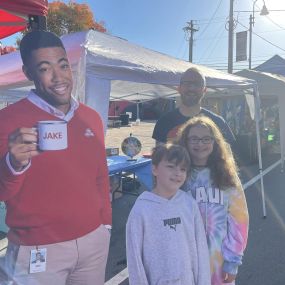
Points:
(215, 185)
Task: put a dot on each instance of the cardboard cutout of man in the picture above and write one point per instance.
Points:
(57, 201)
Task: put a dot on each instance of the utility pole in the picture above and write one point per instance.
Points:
(231, 37)
(190, 28)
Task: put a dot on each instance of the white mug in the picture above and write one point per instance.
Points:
(52, 135)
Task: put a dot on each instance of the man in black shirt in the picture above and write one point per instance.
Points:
(192, 89)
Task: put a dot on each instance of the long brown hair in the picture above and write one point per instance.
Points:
(223, 168)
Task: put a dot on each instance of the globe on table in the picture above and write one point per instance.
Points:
(131, 146)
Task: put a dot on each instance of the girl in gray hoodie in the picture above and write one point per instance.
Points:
(166, 241)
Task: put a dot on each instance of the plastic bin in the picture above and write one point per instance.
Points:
(124, 119)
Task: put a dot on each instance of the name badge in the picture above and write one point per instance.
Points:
(38, 260)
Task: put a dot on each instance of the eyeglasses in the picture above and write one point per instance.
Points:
(204, 140)
(191, 84)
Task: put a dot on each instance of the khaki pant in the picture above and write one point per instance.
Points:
(81, 261)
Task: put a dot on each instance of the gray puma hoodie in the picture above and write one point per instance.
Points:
(166, 242)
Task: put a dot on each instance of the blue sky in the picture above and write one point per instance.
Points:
(158, 25)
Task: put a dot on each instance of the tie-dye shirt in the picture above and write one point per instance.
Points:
(225, 217)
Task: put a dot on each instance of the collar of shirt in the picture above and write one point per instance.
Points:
(42, 104)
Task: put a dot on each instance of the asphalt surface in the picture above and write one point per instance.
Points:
(264, 259)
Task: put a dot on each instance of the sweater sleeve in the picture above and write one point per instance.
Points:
(203, 276)
(134, 244)
(10, 184)
(235, 242)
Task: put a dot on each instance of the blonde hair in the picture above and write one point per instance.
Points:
(223, 168)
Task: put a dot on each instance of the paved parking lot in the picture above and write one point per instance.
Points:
(143, 131)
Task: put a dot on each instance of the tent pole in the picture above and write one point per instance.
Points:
(138, 111)
(257, 119)
(281, 101)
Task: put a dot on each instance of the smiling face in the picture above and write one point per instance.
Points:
(169, 177)
(200, 144)
(50, 70)
(192, 88)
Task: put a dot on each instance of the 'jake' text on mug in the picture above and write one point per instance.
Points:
(53, 136)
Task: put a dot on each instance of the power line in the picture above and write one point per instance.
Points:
(217, 8)
(238, 65)
(208, 20)
(212, 38)
(207, 49)
(269, 18)
(222, 61)
(182, 44)
(272, 31)
(269, 42)
(213, 47)
(275, 23)
(256, 58)
(281, 29)
(263, 38)
(223, 20)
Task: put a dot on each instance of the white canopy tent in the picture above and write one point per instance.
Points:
(271, 85)
(110, 68)
(107, 67)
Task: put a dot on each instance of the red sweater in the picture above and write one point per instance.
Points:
(64, 194)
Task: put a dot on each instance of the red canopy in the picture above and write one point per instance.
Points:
(14, 14)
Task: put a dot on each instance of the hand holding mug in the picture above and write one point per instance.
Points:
(22, 146)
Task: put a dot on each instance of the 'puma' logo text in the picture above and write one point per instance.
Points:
(172, 223)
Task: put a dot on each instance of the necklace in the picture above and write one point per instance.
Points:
(199, 167)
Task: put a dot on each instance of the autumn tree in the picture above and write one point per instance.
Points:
(6, 49)
(67, 18)
(71, 17)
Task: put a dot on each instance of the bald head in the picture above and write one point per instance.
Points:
(193, 75)
(192, 87)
